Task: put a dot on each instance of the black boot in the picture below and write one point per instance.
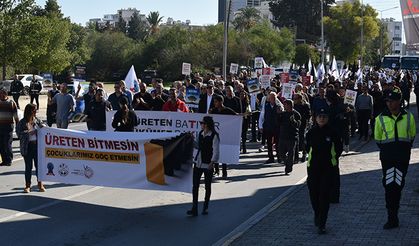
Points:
(193, 212)
(392, 221)
(205, 208)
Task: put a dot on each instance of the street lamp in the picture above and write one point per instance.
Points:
(381, 28)
(322, 30)
(225, 43)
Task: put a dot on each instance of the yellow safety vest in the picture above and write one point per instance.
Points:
(392, 128)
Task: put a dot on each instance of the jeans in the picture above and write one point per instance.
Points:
(31, 157)
(197, 174)
(62, 123)
(287, 151)
(6, 152)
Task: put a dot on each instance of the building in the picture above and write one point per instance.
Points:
(236, 5)
(113, 19)
(340, 2)
(394, 31)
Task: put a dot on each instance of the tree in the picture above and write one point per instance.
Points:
(304, 52)
(343, 29)
(154, 20)
(52, 9)
(121, 25)
(246, 18)
(77, 45)
(137, 29)
(304, 16)
(12, 47)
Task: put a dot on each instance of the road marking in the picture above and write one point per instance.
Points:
(47, 205)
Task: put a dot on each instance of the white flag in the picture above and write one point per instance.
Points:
(320, 73)
(334, 69)
(309, 67)
(131, 80)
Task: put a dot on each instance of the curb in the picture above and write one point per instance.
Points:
(265, 211)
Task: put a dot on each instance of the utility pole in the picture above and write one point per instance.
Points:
(322, 27)
(225, 44)
(362, 34)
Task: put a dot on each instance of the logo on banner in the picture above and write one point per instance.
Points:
(50, 168)
(63, 170)
(86, 172)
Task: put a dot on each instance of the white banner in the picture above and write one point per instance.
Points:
(265, 81)
(186, 69)
(350, 97)
(234, 68)
(228, 126)
(123, 160)
(287, 91)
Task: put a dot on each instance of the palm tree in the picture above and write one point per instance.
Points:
(246, 18)
(154, 20)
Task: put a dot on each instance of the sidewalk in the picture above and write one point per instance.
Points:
(357, 220)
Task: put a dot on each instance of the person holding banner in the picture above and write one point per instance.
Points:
(8, 113)
(26, 131)
(143, 99)
(115, 97)
(96, 113)
(208, 154)
(125, 119)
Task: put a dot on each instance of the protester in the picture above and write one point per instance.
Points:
(26, 130)
(324, 147)
(8, 113)
(115, 97)
(159, 99)
(394, 132)
(174, 104)
(364, 109)
(206, 102)
(35, 88)
(16, 89)
(52, 107)
(303, 108)
(124, 119)
(65, 105)
(143, 99)
(208, 146)
(246, 112)
(289, 122)
(126, 92)
(268, 124)
(219, 108)
(96, 112)
(88, 98)
(231, 100)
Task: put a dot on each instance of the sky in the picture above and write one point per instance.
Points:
(200, 12)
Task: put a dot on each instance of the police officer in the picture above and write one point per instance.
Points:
(16, 88)
(394, 133)
(35, 88)
(324, 147)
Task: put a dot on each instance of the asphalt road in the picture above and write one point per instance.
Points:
(85, 215)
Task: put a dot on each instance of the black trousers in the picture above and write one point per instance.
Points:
(255, 122)
(319, 186)
(16, 99)
(31, 159)
(197, 174)
(287, 152)
(394, 174)
(271, 138)
(363, 117)
(6, 151)
(335, 185)
(300, 145)
(36, 97)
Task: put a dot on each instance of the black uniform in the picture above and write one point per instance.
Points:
(16, 88)
(289, 124)
(34, 91)
(324, 147)
(52, 108)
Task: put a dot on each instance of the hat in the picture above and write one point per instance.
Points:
(208, 121)
(394, 94)
(322, 111)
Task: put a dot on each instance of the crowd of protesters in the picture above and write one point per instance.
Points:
(294, 129)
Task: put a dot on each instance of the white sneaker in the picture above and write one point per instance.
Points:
(346, 148)
(261, 149)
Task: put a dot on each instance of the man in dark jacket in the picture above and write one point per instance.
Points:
(16, 88)
(34, 90)
(324, 147)
(289, 123)
(96, 112)
(269, 123)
